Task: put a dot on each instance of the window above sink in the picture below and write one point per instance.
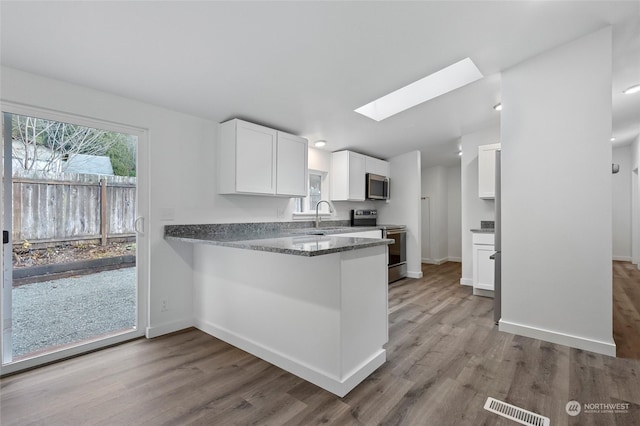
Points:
(318, 190)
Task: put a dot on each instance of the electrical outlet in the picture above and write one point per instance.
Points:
(280, 213)
(164, 305)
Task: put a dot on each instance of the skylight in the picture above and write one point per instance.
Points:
(440, 82)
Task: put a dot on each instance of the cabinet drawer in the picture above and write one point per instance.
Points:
(483, 238)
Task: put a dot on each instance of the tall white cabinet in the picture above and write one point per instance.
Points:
(487, 170)
(254, 159)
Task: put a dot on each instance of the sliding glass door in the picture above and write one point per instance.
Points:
(74, 261)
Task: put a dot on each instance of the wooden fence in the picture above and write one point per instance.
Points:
(67, 207)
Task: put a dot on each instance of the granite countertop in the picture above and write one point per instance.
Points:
(299, 241)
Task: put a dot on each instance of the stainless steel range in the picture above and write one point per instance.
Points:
(397, 254)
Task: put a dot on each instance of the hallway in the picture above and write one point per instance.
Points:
(626, 309)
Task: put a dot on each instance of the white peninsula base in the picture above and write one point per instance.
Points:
(323, 318)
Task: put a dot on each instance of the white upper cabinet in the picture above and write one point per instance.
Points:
(254, 159)
(377, 166)
(487, 170)
(347, 176)
(291, 165)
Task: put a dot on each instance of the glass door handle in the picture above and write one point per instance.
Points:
(138, 225)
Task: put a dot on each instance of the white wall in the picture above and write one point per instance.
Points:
(404, 206)
(621, 185)
(441, 214)
(454, 214)
(556, 204)
(474, 209)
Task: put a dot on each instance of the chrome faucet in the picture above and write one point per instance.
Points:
(317, 207)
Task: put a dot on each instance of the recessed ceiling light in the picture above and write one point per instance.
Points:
(320, 143)
(460, 153)
(632, 89)
(497, 107)
(613, 138)
(440, 82)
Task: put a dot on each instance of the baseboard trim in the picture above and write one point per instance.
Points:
(333, 384)
(166, 328)
(605, 348)
(622, 258)
(441, 261)
(413, 274)
(466, 281)
(483, 293)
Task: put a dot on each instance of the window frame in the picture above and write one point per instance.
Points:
(304, 202)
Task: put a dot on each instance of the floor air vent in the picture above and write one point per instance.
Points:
(515, 413)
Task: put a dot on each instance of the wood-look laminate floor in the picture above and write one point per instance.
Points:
(445, 357)
(626, 309)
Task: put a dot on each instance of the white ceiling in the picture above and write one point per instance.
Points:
(303, 67)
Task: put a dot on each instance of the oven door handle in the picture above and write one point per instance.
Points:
(396, 232)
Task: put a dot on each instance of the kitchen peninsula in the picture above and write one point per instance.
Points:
(304, 299)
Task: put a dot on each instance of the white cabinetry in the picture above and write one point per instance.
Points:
(483, 266)
(347, 176)
(291, 165)
(377, 166)
(254, 159)
(487, 170)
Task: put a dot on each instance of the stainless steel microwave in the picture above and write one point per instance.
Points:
(377, 187)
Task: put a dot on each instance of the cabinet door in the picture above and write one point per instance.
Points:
(487, 170)
(357, 176)
(347, 176)
(291, 166)
(483, 267)
(339, 176)
(377, 166)
(255, 159)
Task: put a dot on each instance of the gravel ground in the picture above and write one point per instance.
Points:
(54, 313)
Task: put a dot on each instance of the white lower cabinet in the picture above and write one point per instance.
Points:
(483, 266)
